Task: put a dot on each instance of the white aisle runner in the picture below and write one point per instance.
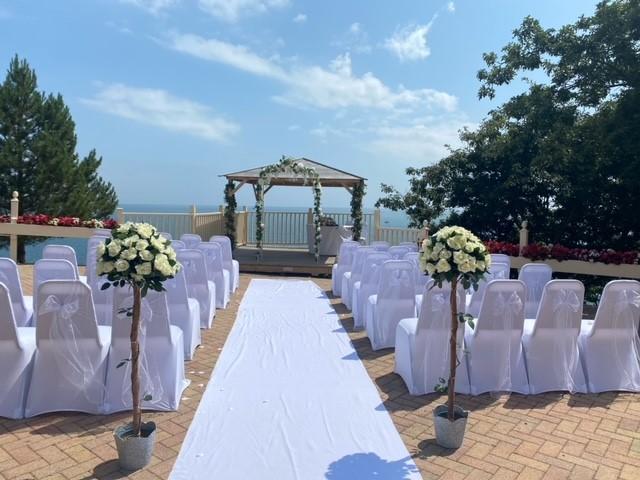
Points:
(290, 399)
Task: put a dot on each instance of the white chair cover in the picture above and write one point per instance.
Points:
(22, 306)
(49, 269)
(422, 344)
(343, 264)
(551, 340)
(394, 301)
(62, 252)
(495, 358)
(71, 357)
(17, 347)
(161, 355)
(233, 266)
(501, 258)
(497, 271)
(500, 271)
(381, 245)
(398, 252)
(609, 345)
(351, 276)
(535, 276)
(166, 235)
(178, 245)
(184, 312)
(367, 286)
(102, 232)
(191, 240)
(102, 299)
(216, 272)
(198, 286)
(413, 246)
(421, 278)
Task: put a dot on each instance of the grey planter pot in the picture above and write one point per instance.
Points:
(449, 434)
(135, 453)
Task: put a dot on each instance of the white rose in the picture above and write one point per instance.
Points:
(100, 249)
(129, 254)
(142, 245)
(146, 255)
(107, 267)
(446, 254)
(144, 268)
(121, 265)
(466, 267)
(442, 266)
(157, 244)
(431, 268)
(480, 266)
(114, 248)
(145, 230)
(460, 257)
(487, 260)
(171, 253)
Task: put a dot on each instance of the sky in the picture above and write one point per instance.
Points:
(174, 93)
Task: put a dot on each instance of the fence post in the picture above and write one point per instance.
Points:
(120, 215)
(246, 225)
(524, 235)
(13, 239)
(193, 218)
(309, 217)
(377, 223)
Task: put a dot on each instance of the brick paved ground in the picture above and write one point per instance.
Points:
(550, 436)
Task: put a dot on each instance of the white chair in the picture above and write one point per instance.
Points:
(413, 246)
(495, 359)
(421, 277)
(216, 272)
(63, 252)
(49, 269)
(343, 264)
(191, 240)
(178, 245)
(367, 285)
(17, 348)
(609, 344)
(497, 271)
(71, 358)
(501, 258)
(22, 306)
(535, 276)
(550, 341)
(161, 358)
(184, 312)
(381, 245)
(233, 266)
(102, 232)
(500, 271)
(102, 299)
(394, 300)
(198, 285)
(350, 277)
(422, 344)
(397, 252)
(166, 235)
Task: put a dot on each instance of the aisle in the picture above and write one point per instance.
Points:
(290, 399)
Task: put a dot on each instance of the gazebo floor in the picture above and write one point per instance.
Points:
(282, 260)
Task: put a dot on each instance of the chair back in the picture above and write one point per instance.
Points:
(191, 240)
(227, 252)
(178, 245)
(8, 327)
(166, 235)
(502, 308)
(535, 276)
(412, 246)
(194, 266)
(50, 269)
(398, 252)
(501, 258)
(61, 252)
(560, 307)
(500, 271)
(346, 253)
(92, 257)
(11, 278)
(619, 308)
(358, 259)
(396, 281)
(435, 314)
(380, 246)
(213, 258)
(154, 316)
(176, 288)
(102, 232)
(421, 278)
(372, 269)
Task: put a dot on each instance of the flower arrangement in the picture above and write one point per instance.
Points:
(230, 212)
(454, 255)
(541, 251)
(356, 209)
(41, 219)
(327, 221)
(137, 256)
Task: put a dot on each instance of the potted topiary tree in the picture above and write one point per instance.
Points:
(456, 256)
(136, 256)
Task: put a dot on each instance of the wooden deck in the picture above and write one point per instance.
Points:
(284, 260)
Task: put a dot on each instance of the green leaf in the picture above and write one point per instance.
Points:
(104, 286)
(123, 362)
(147, 397)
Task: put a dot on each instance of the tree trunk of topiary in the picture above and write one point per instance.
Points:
(453, 345)
(135, 357)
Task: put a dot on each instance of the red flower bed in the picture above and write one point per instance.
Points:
(41, 219)
(541, 251)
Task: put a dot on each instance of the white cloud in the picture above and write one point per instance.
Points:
(355, 39)
(232, 10)
(410, 42)
(293, 128)
(152, 6)
(451, 7)
(161, 109)
(300, 18)
(336, 87)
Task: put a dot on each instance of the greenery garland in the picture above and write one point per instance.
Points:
(297, 168)
(356, 209)
(230, 212)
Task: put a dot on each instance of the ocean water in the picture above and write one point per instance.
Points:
(34, 251)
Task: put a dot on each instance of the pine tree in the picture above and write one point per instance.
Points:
(38, 154)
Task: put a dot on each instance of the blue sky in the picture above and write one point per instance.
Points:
(173, 93)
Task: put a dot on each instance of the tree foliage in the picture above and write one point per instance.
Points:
(564, 155)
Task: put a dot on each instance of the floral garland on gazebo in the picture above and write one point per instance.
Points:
(297, 168)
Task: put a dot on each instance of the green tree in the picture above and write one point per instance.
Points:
(38, 154)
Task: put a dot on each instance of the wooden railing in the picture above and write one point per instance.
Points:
(398, 235)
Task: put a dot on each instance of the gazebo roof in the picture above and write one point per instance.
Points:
(329, 176)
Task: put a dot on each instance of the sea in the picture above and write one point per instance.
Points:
(34, 251)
